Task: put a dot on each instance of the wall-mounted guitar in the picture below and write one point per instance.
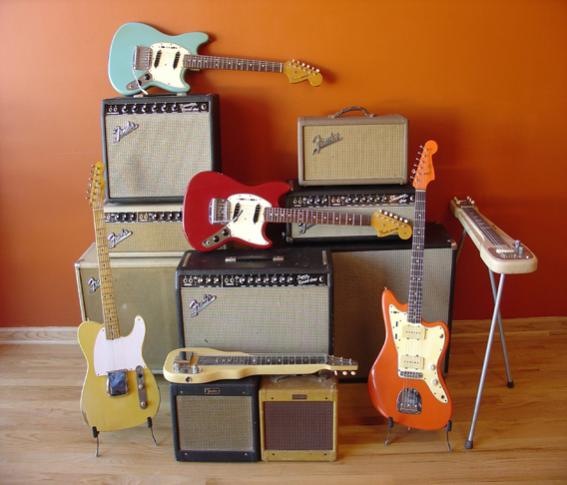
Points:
(141, 57)
(197, 365)
(217, 209)
(119, 390)
(405, 383)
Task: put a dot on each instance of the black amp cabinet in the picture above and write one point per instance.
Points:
(276, 300)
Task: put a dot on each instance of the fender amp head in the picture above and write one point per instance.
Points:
(276, 300)
(298, 418)
(352, 150)
(152, 146)
(217, 421)
(145, 230)
(398, 199)
(142, 286)
(362, 270)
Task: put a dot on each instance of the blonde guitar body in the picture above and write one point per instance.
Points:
(112, 413)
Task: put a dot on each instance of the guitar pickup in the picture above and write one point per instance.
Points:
(414, 332)
(411, 362)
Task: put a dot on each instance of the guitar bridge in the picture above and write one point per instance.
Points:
(219, 211)
(117, 382)
(142, 58)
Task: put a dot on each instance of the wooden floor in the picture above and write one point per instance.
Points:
(521, 434)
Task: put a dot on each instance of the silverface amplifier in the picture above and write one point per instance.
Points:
(276, 300)
(145, 230)
(152, 146)
(336, 150)
(398, 199)
(217, 421)
(361, 271)
(142, 286)
(298, 418)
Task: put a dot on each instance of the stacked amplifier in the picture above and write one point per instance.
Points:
(152, 146)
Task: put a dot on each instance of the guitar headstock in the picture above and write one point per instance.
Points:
(468, 202)
(423, 172)
(387, 224)
(96, 186)
(297, 71)
(342, 365)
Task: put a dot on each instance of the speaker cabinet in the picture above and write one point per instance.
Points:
(152, 146)
(217, 421)
(352, 150)
(360, 274)
(358, 199)
(298, 418)
(145, 230)
(276, 300)
(142, 286)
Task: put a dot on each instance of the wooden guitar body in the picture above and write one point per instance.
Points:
(101, 410)
(420, 400)
(247, 226)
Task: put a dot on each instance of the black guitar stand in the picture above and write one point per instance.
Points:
(96, 434)
(390, 424)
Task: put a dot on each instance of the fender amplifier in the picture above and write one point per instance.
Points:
(362, 270)
(142, 286)
(276, 300)
(336, 150)
(152, 146)
(217, 421)
(359, 199)
(298, 418)
(145, 230)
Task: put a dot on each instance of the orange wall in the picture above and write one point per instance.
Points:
(486, 79)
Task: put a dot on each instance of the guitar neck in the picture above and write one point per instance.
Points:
(417, 252)
(110, 315)
(262, 360)
(193, 61)
(311, 216)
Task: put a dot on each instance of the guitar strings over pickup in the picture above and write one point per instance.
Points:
(219, 211)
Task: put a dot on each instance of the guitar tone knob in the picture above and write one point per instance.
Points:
(432, 367)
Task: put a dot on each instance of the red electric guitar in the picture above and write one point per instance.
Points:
(406, 383)
(217, 209)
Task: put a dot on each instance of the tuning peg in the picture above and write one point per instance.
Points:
(317, 70)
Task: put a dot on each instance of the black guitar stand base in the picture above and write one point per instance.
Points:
(96, 435)
(151, 426)
(96, 432)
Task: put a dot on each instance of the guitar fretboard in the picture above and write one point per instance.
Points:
(254, 360)
(311, 216)
(485, 227)
(415, 298)
(191, 61)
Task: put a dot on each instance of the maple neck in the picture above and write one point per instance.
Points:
(195, 61)
(312, 216)
(110, 315)
(417, 252)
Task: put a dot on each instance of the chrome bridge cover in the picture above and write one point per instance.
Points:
(219, 211)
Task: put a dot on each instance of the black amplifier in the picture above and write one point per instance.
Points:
(153, 145)
(398, 199)
(276, 300)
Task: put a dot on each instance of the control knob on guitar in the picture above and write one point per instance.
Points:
(405, 383)
(218, 209)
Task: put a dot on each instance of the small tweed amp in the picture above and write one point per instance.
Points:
(145, 230)
(398, 199)
(362, 270)
(142, 286)
(298, 418)
(217, 421)
(336, 150)
(152, 146)
(276, 300)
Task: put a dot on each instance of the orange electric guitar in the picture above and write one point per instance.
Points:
(405, 383)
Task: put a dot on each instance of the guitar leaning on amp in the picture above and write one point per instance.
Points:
(119, 390)
(405, 383)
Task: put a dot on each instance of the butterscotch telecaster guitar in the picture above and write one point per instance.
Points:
(405, 383)
(119, 390)
(500, 252)
(198, 365)
(141, 57)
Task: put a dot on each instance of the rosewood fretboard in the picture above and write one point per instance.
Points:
(311, 216)
(191, 61)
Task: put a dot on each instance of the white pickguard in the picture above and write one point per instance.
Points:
(165, 72)
(119, 353)
(245, 225)
(419, 349)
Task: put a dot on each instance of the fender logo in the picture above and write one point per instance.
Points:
(320, 142)
(115, 239)
(121, 131)
(198, 306)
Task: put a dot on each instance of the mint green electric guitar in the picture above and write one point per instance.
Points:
(141, 56)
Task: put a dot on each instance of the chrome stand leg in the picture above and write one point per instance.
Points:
(469, 441)
(509, 381)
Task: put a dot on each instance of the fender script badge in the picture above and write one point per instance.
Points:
(319, 142)
(198, 306)
(120, 132)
